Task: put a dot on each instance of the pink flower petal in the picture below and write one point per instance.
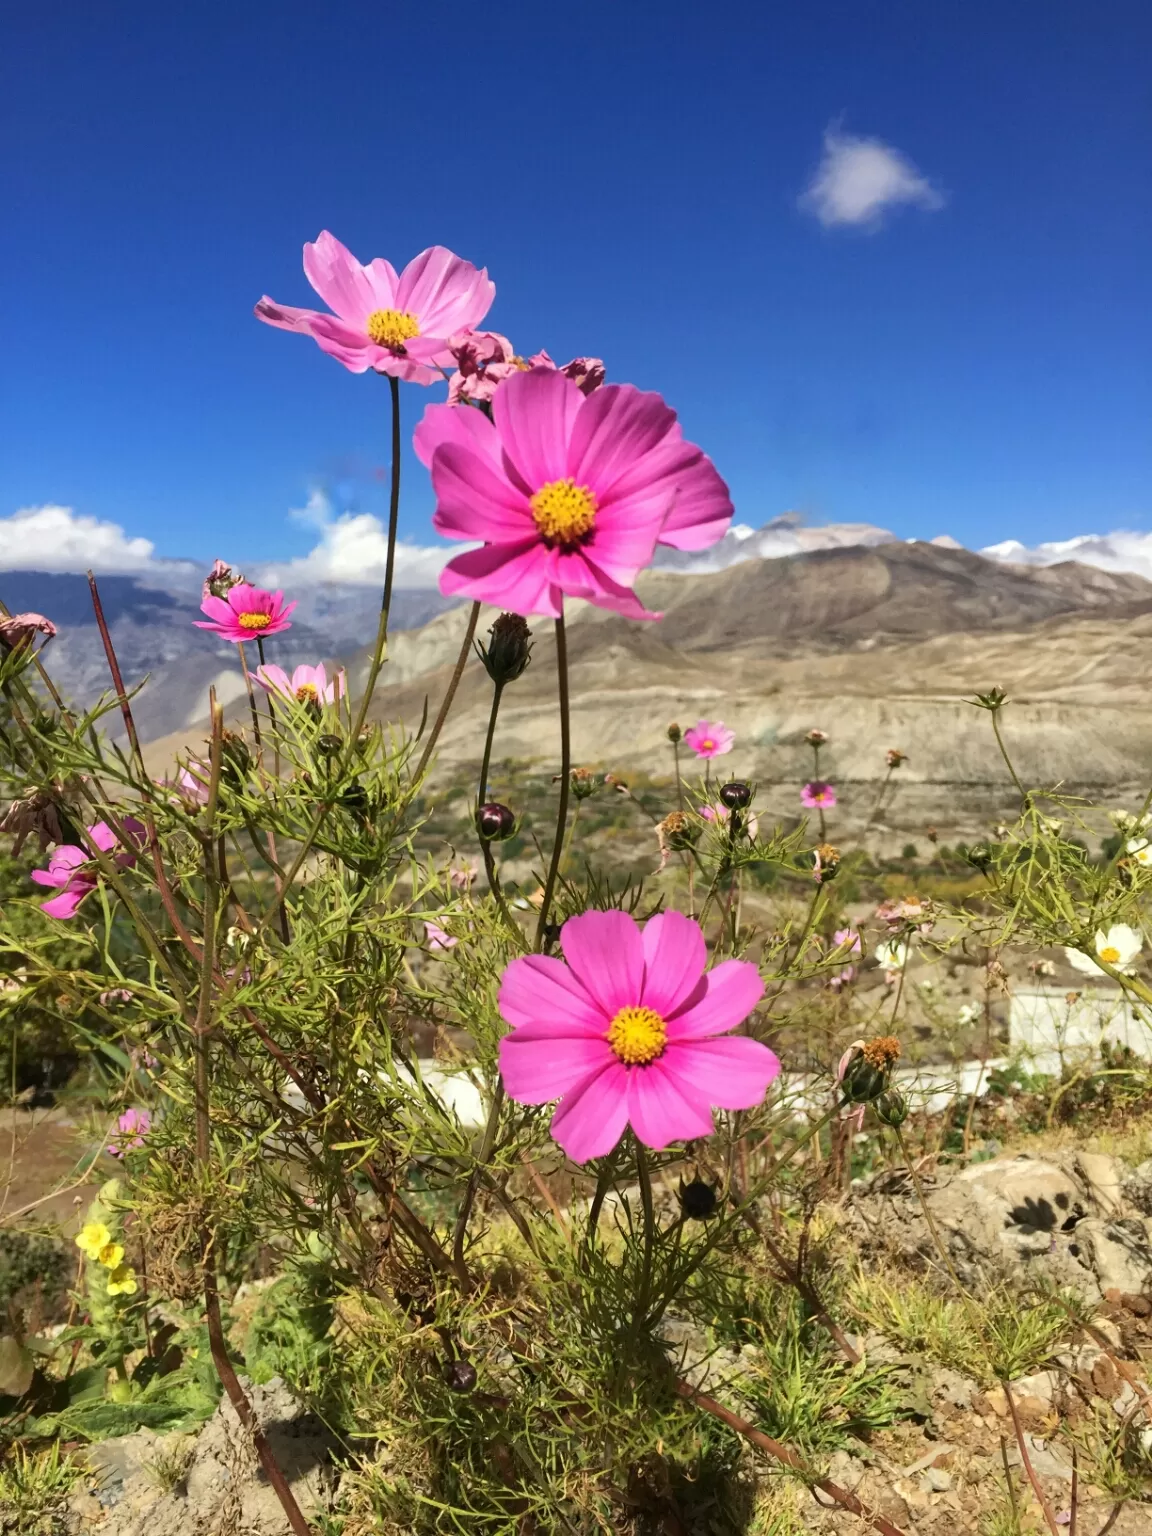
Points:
(516, 577)
(662, 1110)
(340, 280)
(534, 414)
(732, 990)
(733, 1072)
(65, 905)
(285, 317)
(674, 957)
(542, 999)
(217, 610)
(539, 1071)
(274, 679)
(104, 837)
(605, 951)
(591, 1117)
(444, 292)
(473, 501)
(52, 877)
(617, 428)
(444, 425)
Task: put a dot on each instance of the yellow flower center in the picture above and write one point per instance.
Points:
(1109, 955)
(637, 1035)
(707, 746)
(307, 694)
(391, 328)
(564, 511)
(254, 620)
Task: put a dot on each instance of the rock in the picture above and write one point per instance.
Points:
(1137, 1188)
(152, 1485)
(1119, 1251)
(1104, 1180)
(936, 1480)
(1041, 1387)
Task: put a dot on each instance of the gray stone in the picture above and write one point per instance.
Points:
(1120, 1253)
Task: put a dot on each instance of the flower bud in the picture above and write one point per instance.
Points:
(979, 855)
(583, 783)
(895, 757)
(354, 798)
(865, 1075)
(328, 745)
(509, 650)
(237, 760)
(891, 1108)
(674, 733)
(698, 1200)
(220, 580)
(495, 822)
(736, 795)
(816, 738)
(460, 1375)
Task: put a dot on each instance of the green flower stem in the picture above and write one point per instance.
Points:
(565, 780)
(679, 780)
(995, 713)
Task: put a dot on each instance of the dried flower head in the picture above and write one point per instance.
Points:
(895, 757)
(882, 1051)
(219, 581)
(825, 862)
(18, 632)
(816, 738)
(33, 815)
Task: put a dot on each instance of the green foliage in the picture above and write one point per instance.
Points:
(33, 1488)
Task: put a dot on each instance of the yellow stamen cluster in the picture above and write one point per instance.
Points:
(564, 511)
(307, 693)
(637, 1035)
(882, 1051)
(254, 620)
(1109, 955)
(391, 328)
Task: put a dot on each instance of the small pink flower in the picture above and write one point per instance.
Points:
(307, 685)
(850, 937)
(709, 738)
(569, 494)
(633, 1030)
(720, 814)
(818, 795)
(842, 978)
(74, 872)
(19, 631)
(115, 995)
(191, 784)
(396, 324)
(463, 875)
(133, 1125)
(438, 938)
(246, 613)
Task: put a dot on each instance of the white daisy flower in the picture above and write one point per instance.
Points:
(1141, 850)
(1118, 948)
(893, 957)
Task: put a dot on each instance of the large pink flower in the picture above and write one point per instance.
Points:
(632, 1030)
(709, 738)
(307, 685)
(246, 613)
(74, 872)
(569, 493)
(394, 324)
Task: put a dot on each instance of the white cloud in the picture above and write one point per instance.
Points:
(353, 548)
(1123, 550)
(858, 179)
(51, 538)
(784, 535)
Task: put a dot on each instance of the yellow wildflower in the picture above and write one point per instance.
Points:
(122, 1281)
(111, 1255)
(93, 1236)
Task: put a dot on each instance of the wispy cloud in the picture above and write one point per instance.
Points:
(353, 548)
(859, 180)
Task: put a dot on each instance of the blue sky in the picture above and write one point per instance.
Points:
(974, 362)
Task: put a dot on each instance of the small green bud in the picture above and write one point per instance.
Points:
(509, 649)
(891, 1108)
(674, 733)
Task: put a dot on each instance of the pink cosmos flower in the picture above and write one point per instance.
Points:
(246, 612)
(709, 738)
(133, 1125)
(632, 1030)
(720, 813)
(463, 874)
(394, 324)
(190, 784)
(842, 978)
(568, 493)
(843, 936)
(307, 685)
(74, 872)
(438, 938)
(818, 795)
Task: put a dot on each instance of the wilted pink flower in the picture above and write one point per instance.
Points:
(74, 871)
(709, 738)
(33, 815)
(115, 995)
(437, 937)
(911, 911)
(484, 359)
(394, 324)
(720, 813)
(569, 493)
(219, 581)
(842, 978)
(816, 737)
(133, 1125)
(20, 630)
(247, 612)
(817, 795)
(849, 937)
(307, 685)
(463, 874)
(629, 1032)
(855, 1116)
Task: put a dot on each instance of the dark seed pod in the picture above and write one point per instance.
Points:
(698, 1200)
(736, 795)
(328, 746)
(460, 1375)
(891, 1108)
(495, 822)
